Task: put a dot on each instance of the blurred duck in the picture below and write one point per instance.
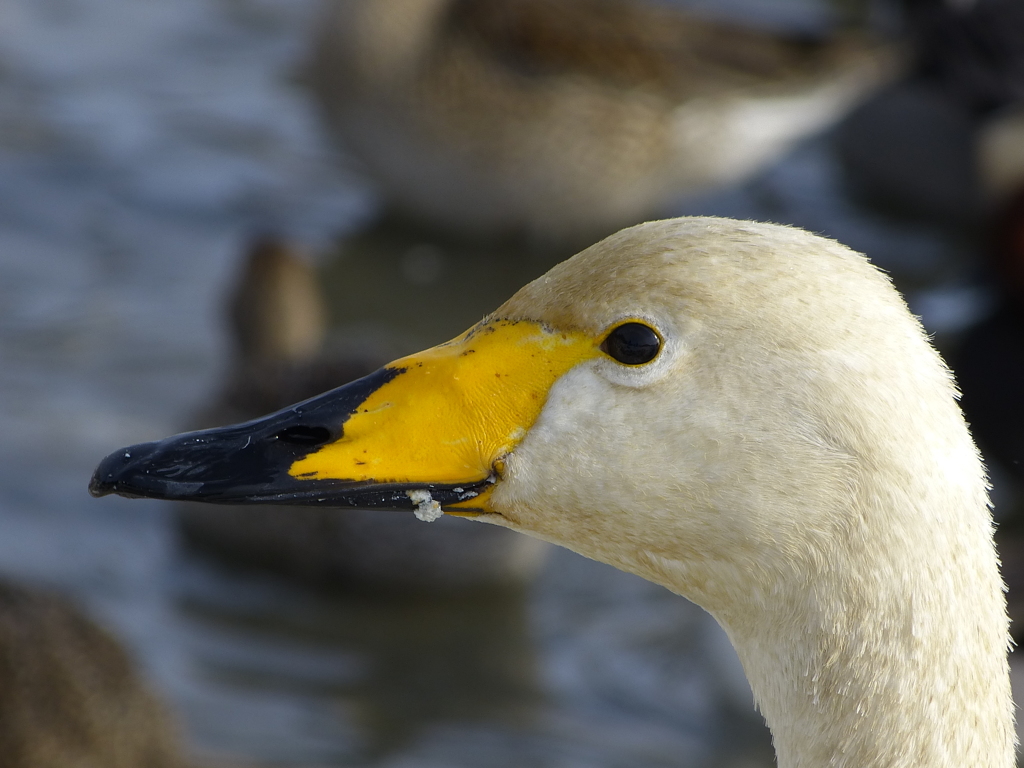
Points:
(278, 322)
(69, 697)
(567, 120)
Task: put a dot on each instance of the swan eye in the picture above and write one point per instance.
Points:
(632, 344)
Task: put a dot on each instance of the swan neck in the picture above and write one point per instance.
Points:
(886, 667)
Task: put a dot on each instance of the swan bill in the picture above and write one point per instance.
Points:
(438, 422)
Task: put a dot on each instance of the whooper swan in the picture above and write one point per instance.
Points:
(744, 413)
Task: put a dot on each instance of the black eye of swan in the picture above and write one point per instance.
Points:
(632, 344)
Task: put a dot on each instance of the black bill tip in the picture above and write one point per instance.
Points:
(111, 472)
(249, 463)
(242, 462)
(199, 466)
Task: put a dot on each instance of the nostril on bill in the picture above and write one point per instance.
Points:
(303, 435)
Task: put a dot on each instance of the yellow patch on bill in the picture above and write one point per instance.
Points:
(454, 410)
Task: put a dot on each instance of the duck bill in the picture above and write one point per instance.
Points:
(432, 427)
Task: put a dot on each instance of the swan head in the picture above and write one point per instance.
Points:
(745, 413)
(701, 392)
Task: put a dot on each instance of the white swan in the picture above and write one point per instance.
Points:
(744, 413)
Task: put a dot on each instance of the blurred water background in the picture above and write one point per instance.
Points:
(143, 144)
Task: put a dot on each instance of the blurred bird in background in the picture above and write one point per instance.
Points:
(70, 696)
(569, 120)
